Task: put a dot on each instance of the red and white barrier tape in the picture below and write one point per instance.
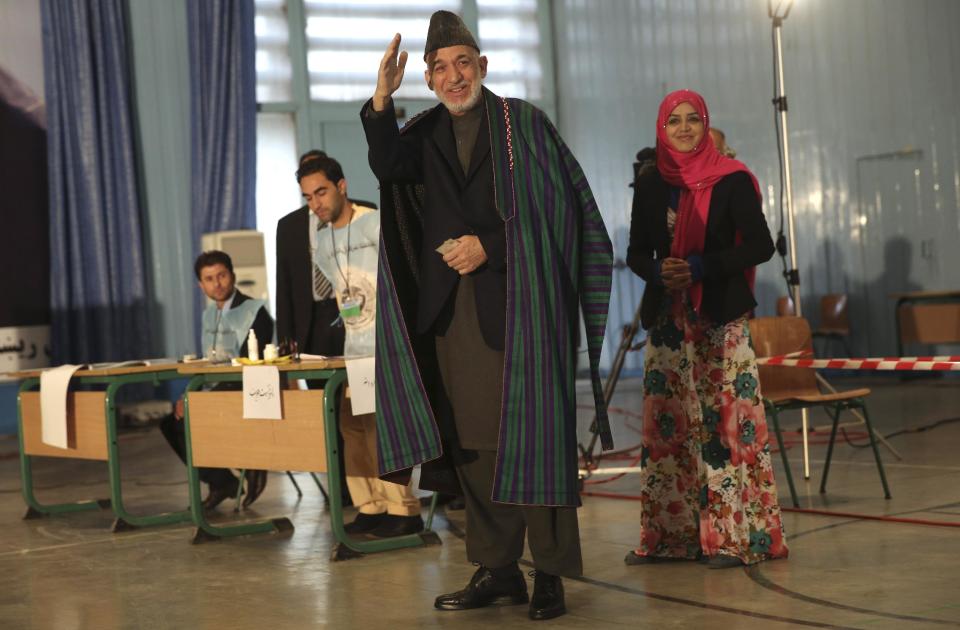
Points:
(918, 364)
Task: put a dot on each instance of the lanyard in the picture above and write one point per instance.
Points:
(216, 327)
(333, 242)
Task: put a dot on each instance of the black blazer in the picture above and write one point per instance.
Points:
(734, 206)
(294, 276)
(295, 305)
(454, 204)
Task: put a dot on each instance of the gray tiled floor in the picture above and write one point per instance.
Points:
(70, 572)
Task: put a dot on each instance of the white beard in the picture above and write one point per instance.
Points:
(467, 105)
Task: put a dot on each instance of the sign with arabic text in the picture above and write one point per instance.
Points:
(261, 392)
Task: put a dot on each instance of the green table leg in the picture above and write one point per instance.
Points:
(331, 391)
(205, 531)
(428, 525)
(35, 509)
(126, 521)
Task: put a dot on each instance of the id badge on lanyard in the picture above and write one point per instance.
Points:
(350, 306)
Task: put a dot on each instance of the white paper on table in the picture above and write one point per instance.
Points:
(54, 384)
(362, 380)
(261, 392)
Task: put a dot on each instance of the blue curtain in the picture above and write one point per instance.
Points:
(223, 115)
(97, 278)
(223, 119)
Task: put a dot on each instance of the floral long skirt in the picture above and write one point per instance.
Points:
(707, 480)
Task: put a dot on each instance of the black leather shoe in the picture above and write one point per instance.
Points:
(391, 526)
(256, 482)
(547, 601)
(219, 494)
(364, 523)
(485, 589)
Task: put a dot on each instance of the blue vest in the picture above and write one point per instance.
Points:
(230, 332)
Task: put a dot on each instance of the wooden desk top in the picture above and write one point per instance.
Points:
(206, 368)
(107, 371)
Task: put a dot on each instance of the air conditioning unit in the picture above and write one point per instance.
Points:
(245, 248)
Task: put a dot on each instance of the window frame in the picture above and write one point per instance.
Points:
(308, 114)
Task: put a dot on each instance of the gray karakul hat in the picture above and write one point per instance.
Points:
(447, 29)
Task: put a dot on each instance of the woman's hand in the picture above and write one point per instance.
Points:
(675, 274)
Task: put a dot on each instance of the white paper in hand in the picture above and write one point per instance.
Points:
(53, 404)
(363, 391)
(261, 392)
(446, 246)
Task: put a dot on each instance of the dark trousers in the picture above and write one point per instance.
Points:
(176, 435)
(468, 404)
(495, 531)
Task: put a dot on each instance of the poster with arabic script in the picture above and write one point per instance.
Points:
(261, 393)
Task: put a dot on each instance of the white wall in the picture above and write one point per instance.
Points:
(21, 46)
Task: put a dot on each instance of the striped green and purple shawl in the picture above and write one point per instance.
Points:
(559, 259)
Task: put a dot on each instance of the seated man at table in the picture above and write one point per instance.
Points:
(227, 322)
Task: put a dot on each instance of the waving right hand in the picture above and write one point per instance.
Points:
(390, 75)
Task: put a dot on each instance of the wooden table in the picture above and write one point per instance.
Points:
(91, 434)
(304, 440)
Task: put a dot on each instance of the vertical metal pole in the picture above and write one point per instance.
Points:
(785, 142)
(781, 104)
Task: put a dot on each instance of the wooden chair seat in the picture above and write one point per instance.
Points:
(822, 399)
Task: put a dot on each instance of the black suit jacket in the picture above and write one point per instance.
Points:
(295, 304)
(454, 204)
(734, 206)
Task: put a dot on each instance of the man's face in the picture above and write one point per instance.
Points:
(216, 281)
(455, 74)
(325, 199)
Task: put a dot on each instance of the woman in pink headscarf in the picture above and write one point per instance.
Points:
(696, 234)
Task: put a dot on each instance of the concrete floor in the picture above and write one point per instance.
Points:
(69, 571)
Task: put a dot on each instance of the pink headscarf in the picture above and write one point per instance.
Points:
(695, 173)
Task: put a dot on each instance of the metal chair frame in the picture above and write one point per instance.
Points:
(790, 388)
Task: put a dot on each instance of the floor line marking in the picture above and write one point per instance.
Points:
(459, 533)
(28, 550)
(757, 576)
